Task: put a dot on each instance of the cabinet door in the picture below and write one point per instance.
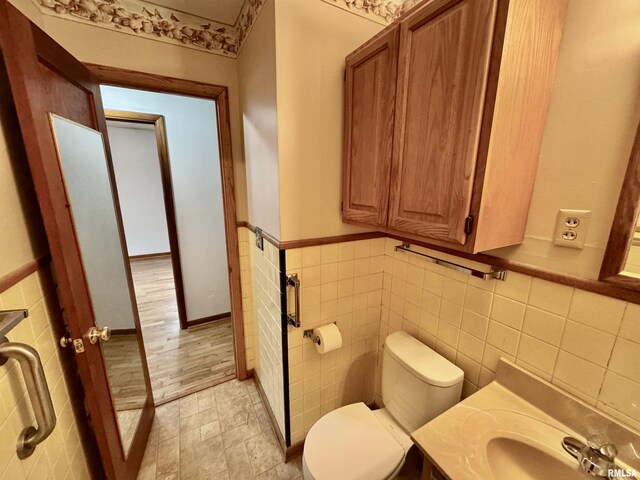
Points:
(370, 86)
(442, 74)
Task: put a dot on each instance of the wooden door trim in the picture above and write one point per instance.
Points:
(158, 83)
(167, 194)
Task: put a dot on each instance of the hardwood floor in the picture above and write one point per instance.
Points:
(181, 362)
(124, 370)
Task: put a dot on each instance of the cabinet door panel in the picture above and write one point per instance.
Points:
(369, 102)
(442, 74)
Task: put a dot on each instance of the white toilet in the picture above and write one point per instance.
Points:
(354, 442)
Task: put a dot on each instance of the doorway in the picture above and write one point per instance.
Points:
(165, 156)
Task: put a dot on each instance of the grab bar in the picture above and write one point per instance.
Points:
(293, 319)
(33, 373)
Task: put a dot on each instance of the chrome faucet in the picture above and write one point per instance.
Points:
(597, 457)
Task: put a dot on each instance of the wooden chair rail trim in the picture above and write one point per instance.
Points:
(16, 276)
(615, 287)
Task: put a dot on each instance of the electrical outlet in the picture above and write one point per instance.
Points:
(571, 228)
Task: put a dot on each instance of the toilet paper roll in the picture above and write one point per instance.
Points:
(328, 338)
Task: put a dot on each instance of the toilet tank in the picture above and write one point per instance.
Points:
(418, 384)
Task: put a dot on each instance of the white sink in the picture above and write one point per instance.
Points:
(513, 429)
(504, 444)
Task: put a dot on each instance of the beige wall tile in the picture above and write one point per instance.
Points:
(492, 355)
(475, 324)
(478, 300)
(52, 457)
(587, 343)
(581, 375)
(550, 296)
(433, 282)
(311, 256)
(503, 337)
(451, 313)
(621, 395)
(516, 287)
(448, 334)
(507, 311)
(538, 354)
(630, 327)
(597, 311)
(625, 359)
(470, 368)
(453, 291)
(543, 325)
(470, 346)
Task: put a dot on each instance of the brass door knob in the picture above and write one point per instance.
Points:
(103, 334)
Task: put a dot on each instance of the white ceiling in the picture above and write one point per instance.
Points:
(223, 11)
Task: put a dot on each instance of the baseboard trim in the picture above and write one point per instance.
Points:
(123, 331)
(272, 417)
(146, 256)
(212, 318)
(294, 451)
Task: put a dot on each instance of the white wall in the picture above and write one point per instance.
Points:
(586, 145)
(139, 181)
(195, 172)
(312, 40)
(257, 87)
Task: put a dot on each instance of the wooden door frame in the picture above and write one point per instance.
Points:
(157, 83)
(167, 194)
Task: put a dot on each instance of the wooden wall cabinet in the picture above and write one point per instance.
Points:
(444, 115)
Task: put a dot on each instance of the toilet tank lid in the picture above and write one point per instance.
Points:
(423, 362)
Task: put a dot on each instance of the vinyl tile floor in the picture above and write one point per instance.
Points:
(222, 432)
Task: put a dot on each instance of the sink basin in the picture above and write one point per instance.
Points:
(504, 444)
(512, 429)
(509, 458)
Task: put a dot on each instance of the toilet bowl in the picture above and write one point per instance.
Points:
(355, 443)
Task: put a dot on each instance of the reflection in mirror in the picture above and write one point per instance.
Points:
(621, 263)
(83, 162)
(632, 265)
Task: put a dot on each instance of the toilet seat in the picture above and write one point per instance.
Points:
(350, 443)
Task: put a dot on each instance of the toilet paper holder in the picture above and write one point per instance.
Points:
(309, 334)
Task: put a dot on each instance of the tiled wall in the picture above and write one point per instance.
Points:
(341, 283)
(586, 344)
(61, 455)
(246, 280)
(268, 361)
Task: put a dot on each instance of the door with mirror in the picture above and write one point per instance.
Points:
(83, 161)
(62, 122)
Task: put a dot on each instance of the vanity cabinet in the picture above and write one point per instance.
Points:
(444, 115)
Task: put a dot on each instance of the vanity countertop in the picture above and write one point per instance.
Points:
(513, 428)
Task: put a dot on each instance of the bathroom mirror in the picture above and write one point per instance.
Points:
(83, 162)
(621, 264)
